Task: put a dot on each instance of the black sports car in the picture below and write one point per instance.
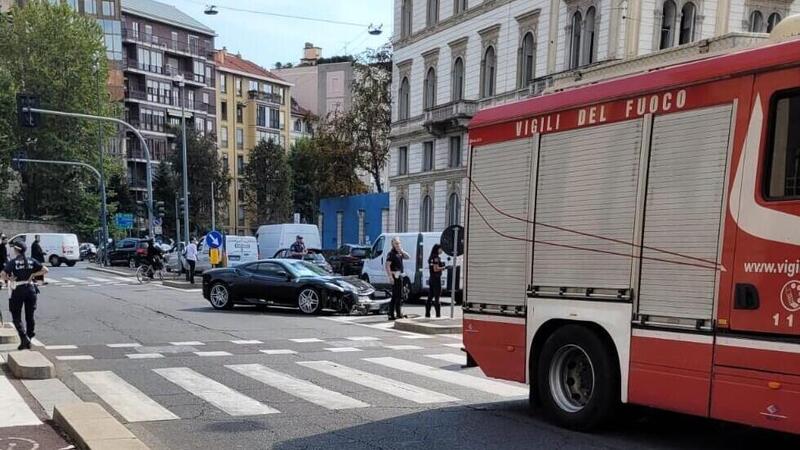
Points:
(287, 282)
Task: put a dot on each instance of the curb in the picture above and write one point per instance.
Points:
(30, 365)
(426, 327)
(182, 285)
(92, 428)
(8, 335)
(111, 271)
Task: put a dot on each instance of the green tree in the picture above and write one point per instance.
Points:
(337, 152)
(267, 184)
(306, 162)
(165, 189)
(57, 54)
(204, 167)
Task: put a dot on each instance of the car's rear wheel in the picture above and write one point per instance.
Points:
(70, 263)
(309, 301)
(220, 296)
(55, 261)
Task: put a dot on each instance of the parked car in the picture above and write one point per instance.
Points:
(272, 238)
(240, 249)
(314, 256)
(58, 248)
(127, 252)
(88, 251)
(287, 282)
(349, 259)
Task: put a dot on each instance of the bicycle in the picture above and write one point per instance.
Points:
(144, 271)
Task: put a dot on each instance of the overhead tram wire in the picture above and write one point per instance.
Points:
(285, 16)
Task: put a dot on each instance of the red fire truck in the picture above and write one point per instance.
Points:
(637, 240)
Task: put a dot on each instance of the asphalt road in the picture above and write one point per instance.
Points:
(181, 375)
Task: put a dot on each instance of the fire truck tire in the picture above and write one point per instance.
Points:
(577, 379)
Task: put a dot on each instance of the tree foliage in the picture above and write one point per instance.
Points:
(166, 186)
(267, 184)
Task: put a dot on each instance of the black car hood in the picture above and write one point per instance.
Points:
(361, 286)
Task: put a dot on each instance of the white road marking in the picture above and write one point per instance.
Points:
(130, 403)
(73, 280)
(74, 357)
(53, 280)
(60, 347)
(279, 352)
(246, 342)
(306, 340)
(144, 355)
(363, 338)
(101, 280)
(343, 349)
(68, 286)
(93, 285)
(130, 345)
(454, 345)
(417, 336)
(218, 353)
(187, 343)
(127, 280)
(37, 342)
(15, 412)
(386, 385)
(219, 395)
(299, 388)
(403, 347)
(50, 393)
(458, 336)
(450, 357)
(187, 291)
(448, 376)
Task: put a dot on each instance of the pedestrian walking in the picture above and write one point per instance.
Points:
(38, 254)
(394, 269)
(191, 259)
(3, 254)
(20, 273)
(436, 266)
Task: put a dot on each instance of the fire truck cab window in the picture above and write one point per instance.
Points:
(783, 179)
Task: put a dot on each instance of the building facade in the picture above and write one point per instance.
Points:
(302, 126)
(357, 219)
(452, 57)
(169, 73)
(254, 104)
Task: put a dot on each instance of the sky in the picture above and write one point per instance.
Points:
(267, 39)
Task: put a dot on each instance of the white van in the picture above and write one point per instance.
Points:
(418, 246)
(272, 238)
(58, 248)
(240, 249)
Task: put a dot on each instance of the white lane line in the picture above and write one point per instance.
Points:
(68, 286)
(219, 395)
(130, 403)
(124, 345)
(278, 352)
(60, 347)
(50, 393)
(363, 338)
(93, 285)
(450, 357)
(299, 388)
(144, 355)
(403, 347)
(15, 412)
(127, 280)
(448, 376)
(306, 340)
(454, 345)
(101, 280)
(386, 385)
(187, 343)
(247, 342)
(74, 357)
(186, 291)
(53, 280)
(73, 280)
(217, 353)
(343, 349)
(37, 342)
(416, 336)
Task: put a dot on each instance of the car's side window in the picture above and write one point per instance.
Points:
(377, 249)
(270, 269)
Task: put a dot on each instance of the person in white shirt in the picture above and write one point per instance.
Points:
(191, 259)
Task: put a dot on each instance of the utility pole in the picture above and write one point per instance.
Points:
(213, 218)
(181, 84)
(103, 211)
(177, 223)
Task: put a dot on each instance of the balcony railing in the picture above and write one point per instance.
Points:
(194, 48)
(451, 115)
(265, 97)
(166, 70)
(169, 99)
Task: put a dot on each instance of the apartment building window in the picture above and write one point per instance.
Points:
(458, 80)
(756, 22)
(150, 61)
(239, 164)
(454, 159)
(239, 139)
(174, 37)
(402, 160)
(199, 71)
(772, 21)
(453, 210)
(430, 88)
(73, 4)
(206, 98)
(404, 96)
(274, 118)
(527, 60)
(688, 13)
(459, 6)
(261, 116)
(575, 43)
(239, 114)
(432, 16)
(588, 37)
(223, 106)
(238, 86)
(488, 72)
(240, 195)
(406, 18)
(148, 33)
(240, 218)
(190, 99)
(668, 15)
(223, 136)
(90, 7)
(200, 125)
(223, 83)
(209, 126)
(297, 126)
(253, 86)
(427, 156)
(426, 215)
(225, 166)
(401, 219)
(108, 8)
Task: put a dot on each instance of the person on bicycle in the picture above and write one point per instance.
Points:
(153, 258)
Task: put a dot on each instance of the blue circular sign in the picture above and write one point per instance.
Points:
(214, 239)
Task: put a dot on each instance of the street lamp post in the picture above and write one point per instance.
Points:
(104, 211)
(179, 80)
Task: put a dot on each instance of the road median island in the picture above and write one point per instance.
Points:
(91, 427)
(30, 365)
(8, 335)
(425, 325)
(182, 284)
(118, 272)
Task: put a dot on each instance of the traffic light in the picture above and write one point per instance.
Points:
(160, 209)
(181, 205)
(141, 208)
(27, 119)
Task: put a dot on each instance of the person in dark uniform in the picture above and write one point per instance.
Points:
(394, 269)
(3, 254)
(436, 266)
(298, 249)
(154, 256)
(38, 254)
(20, 272)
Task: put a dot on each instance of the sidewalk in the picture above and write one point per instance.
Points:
(418, 323)
(119, 271)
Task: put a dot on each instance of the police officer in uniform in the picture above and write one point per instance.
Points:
(20, 273)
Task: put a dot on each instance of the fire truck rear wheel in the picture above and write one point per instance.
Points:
(577, 379)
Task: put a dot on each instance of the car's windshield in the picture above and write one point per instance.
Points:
(360, 252)
(304, 269)
(314, 257)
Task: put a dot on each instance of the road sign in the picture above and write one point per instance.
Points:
(157, 229)
(124, 221)
(448, 238)
(214, 239)
(157, 222)
(214, 256)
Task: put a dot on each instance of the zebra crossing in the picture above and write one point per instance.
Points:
(90, 281)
